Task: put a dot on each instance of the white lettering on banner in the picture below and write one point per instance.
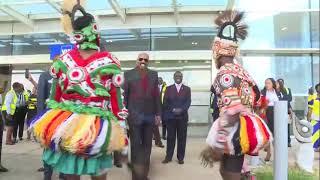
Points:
(63, 51)
(66, 48)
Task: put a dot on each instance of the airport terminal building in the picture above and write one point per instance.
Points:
(283, 40)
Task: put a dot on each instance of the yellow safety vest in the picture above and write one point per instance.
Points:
(316, 110)
(163, 90)
(312, 97)
(13, 104)
(32, 103)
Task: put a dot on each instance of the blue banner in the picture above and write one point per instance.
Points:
(59, 49)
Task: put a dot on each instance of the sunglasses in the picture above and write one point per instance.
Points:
(145, 60)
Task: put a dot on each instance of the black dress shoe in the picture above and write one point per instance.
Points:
(181, 162)
(160, 145)
(41, 169)
(164, 138)
(118, 165)
(3, 169)
(166, 161)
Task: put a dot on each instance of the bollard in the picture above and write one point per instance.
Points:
(280, 166)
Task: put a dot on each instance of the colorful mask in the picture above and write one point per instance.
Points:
(83, 28)
(88, 37)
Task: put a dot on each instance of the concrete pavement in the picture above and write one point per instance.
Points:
(23, 160)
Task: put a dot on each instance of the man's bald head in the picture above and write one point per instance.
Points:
(143, 60)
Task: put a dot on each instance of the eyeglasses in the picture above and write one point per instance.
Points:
(145, 60)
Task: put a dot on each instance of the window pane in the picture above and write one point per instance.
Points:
(315, 29)
(271, 5)
(5, 46)
(295, 70)
(182, 38)
(316, 69)
(37, 43)
(126, 39)
(35, 9)
(278, 30)
(144, 3)
(202, 2)
(97, 5)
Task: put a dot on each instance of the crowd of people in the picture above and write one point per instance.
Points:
(86, 115)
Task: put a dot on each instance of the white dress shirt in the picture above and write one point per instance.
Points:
(160, 87)
(8, 100)
(178, 87)
(272, 97)
(21, 100)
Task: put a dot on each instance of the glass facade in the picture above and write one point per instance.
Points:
(295, 70)
(273, 24)
(267, 30)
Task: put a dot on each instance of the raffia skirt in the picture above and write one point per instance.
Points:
(78, 143)
(247, 136)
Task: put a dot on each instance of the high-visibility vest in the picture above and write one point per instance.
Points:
(312, 97)
(316, 109)
(163, 90)
(32, 103)
(13, 104)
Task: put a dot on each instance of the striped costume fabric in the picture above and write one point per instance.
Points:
(85, 135)
(314, 105)
(251, 129)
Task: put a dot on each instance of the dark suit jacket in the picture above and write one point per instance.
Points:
(44, 87)
(173, 99)
(142, 96)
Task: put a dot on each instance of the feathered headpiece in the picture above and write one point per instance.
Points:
(233, 21)
(231, 28)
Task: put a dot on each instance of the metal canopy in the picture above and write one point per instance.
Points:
(117, 8)
(16, 15)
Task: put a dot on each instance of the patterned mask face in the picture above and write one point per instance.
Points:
(87, 38)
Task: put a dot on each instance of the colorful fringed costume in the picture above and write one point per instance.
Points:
(85, 122)
(238, 130)
(314, 106)
(247, 133)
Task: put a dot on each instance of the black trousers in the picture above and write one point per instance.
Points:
(177, 129)
(164, 129)
(156, 135)
(270, 118)
(19, 116)
(116, 158)
(141, 144)
(289, 139)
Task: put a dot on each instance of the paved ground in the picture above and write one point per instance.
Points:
(23, 159)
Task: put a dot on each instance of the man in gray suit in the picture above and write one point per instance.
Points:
(142, 99)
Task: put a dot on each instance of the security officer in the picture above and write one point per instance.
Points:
(163, 88)
(20, 113)
(9, 108)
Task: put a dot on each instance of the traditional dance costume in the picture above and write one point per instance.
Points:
(238, 130)
(236, 95)
(85, 122)
(314, 105)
